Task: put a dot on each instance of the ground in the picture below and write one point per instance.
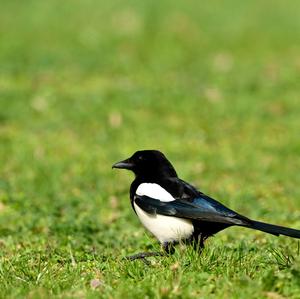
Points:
(83, 84)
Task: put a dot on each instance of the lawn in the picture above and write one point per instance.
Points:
(84, 84)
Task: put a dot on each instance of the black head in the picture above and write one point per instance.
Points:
(148, 164)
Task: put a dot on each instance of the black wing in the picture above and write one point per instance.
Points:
(202, 208)
(192, 204)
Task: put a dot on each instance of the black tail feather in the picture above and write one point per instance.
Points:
(275, 229)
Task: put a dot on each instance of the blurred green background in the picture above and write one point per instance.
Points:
(83, 84)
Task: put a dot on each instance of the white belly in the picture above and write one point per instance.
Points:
(165, 228)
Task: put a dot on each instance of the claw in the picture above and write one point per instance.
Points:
(143, 255)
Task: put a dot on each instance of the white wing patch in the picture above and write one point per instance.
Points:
(164, 228)
(155, 191)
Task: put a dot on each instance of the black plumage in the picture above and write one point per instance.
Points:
(206, 215)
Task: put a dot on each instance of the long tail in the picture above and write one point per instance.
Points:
(275, 229)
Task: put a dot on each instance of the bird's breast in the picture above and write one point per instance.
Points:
(165, 228)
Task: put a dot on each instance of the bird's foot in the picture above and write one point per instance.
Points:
(143, 255)
(168, 247)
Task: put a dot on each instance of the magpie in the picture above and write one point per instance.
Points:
(175, 211)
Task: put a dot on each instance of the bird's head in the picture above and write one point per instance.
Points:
(148, 164)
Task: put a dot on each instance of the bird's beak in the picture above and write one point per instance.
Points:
(125, 164)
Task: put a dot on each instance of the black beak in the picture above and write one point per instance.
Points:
(126, 164)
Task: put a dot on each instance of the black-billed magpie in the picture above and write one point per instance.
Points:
(173, 210)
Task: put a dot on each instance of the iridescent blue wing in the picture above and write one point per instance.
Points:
(201, 208)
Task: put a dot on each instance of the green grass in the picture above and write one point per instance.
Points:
(83, 84)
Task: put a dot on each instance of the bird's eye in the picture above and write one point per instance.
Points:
(140, 158)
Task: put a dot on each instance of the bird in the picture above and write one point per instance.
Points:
(175, 211)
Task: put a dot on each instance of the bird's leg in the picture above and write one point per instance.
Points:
(168, 248)
(198, 242)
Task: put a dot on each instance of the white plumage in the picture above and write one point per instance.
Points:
(155, 191)
(164, 228)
